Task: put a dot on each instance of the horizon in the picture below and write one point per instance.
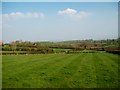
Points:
(59, 41)
(56, 21)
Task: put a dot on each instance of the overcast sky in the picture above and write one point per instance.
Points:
(59, 21)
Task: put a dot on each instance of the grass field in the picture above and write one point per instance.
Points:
(84, 70)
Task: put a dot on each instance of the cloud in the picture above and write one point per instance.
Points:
(16, 15)
(74, 14)
(67, 11)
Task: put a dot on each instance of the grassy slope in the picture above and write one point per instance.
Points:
(89, 70)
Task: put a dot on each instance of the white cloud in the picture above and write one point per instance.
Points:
(74, 14)
(16, 15)
(67, 11)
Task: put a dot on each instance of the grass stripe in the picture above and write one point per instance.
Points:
(84, 70)
(84, 76)
(106, 75)
(26, 71)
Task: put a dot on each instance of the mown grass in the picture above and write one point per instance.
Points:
(84, 70)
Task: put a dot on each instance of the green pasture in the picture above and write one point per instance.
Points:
(84, 70)
(60, 50)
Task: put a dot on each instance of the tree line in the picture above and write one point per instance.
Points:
(74, 46)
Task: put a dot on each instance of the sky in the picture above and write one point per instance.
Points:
(58, 21)
(0, 21)
(60, 0)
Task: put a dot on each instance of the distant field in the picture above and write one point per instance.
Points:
(60, 50)
(84, 70)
